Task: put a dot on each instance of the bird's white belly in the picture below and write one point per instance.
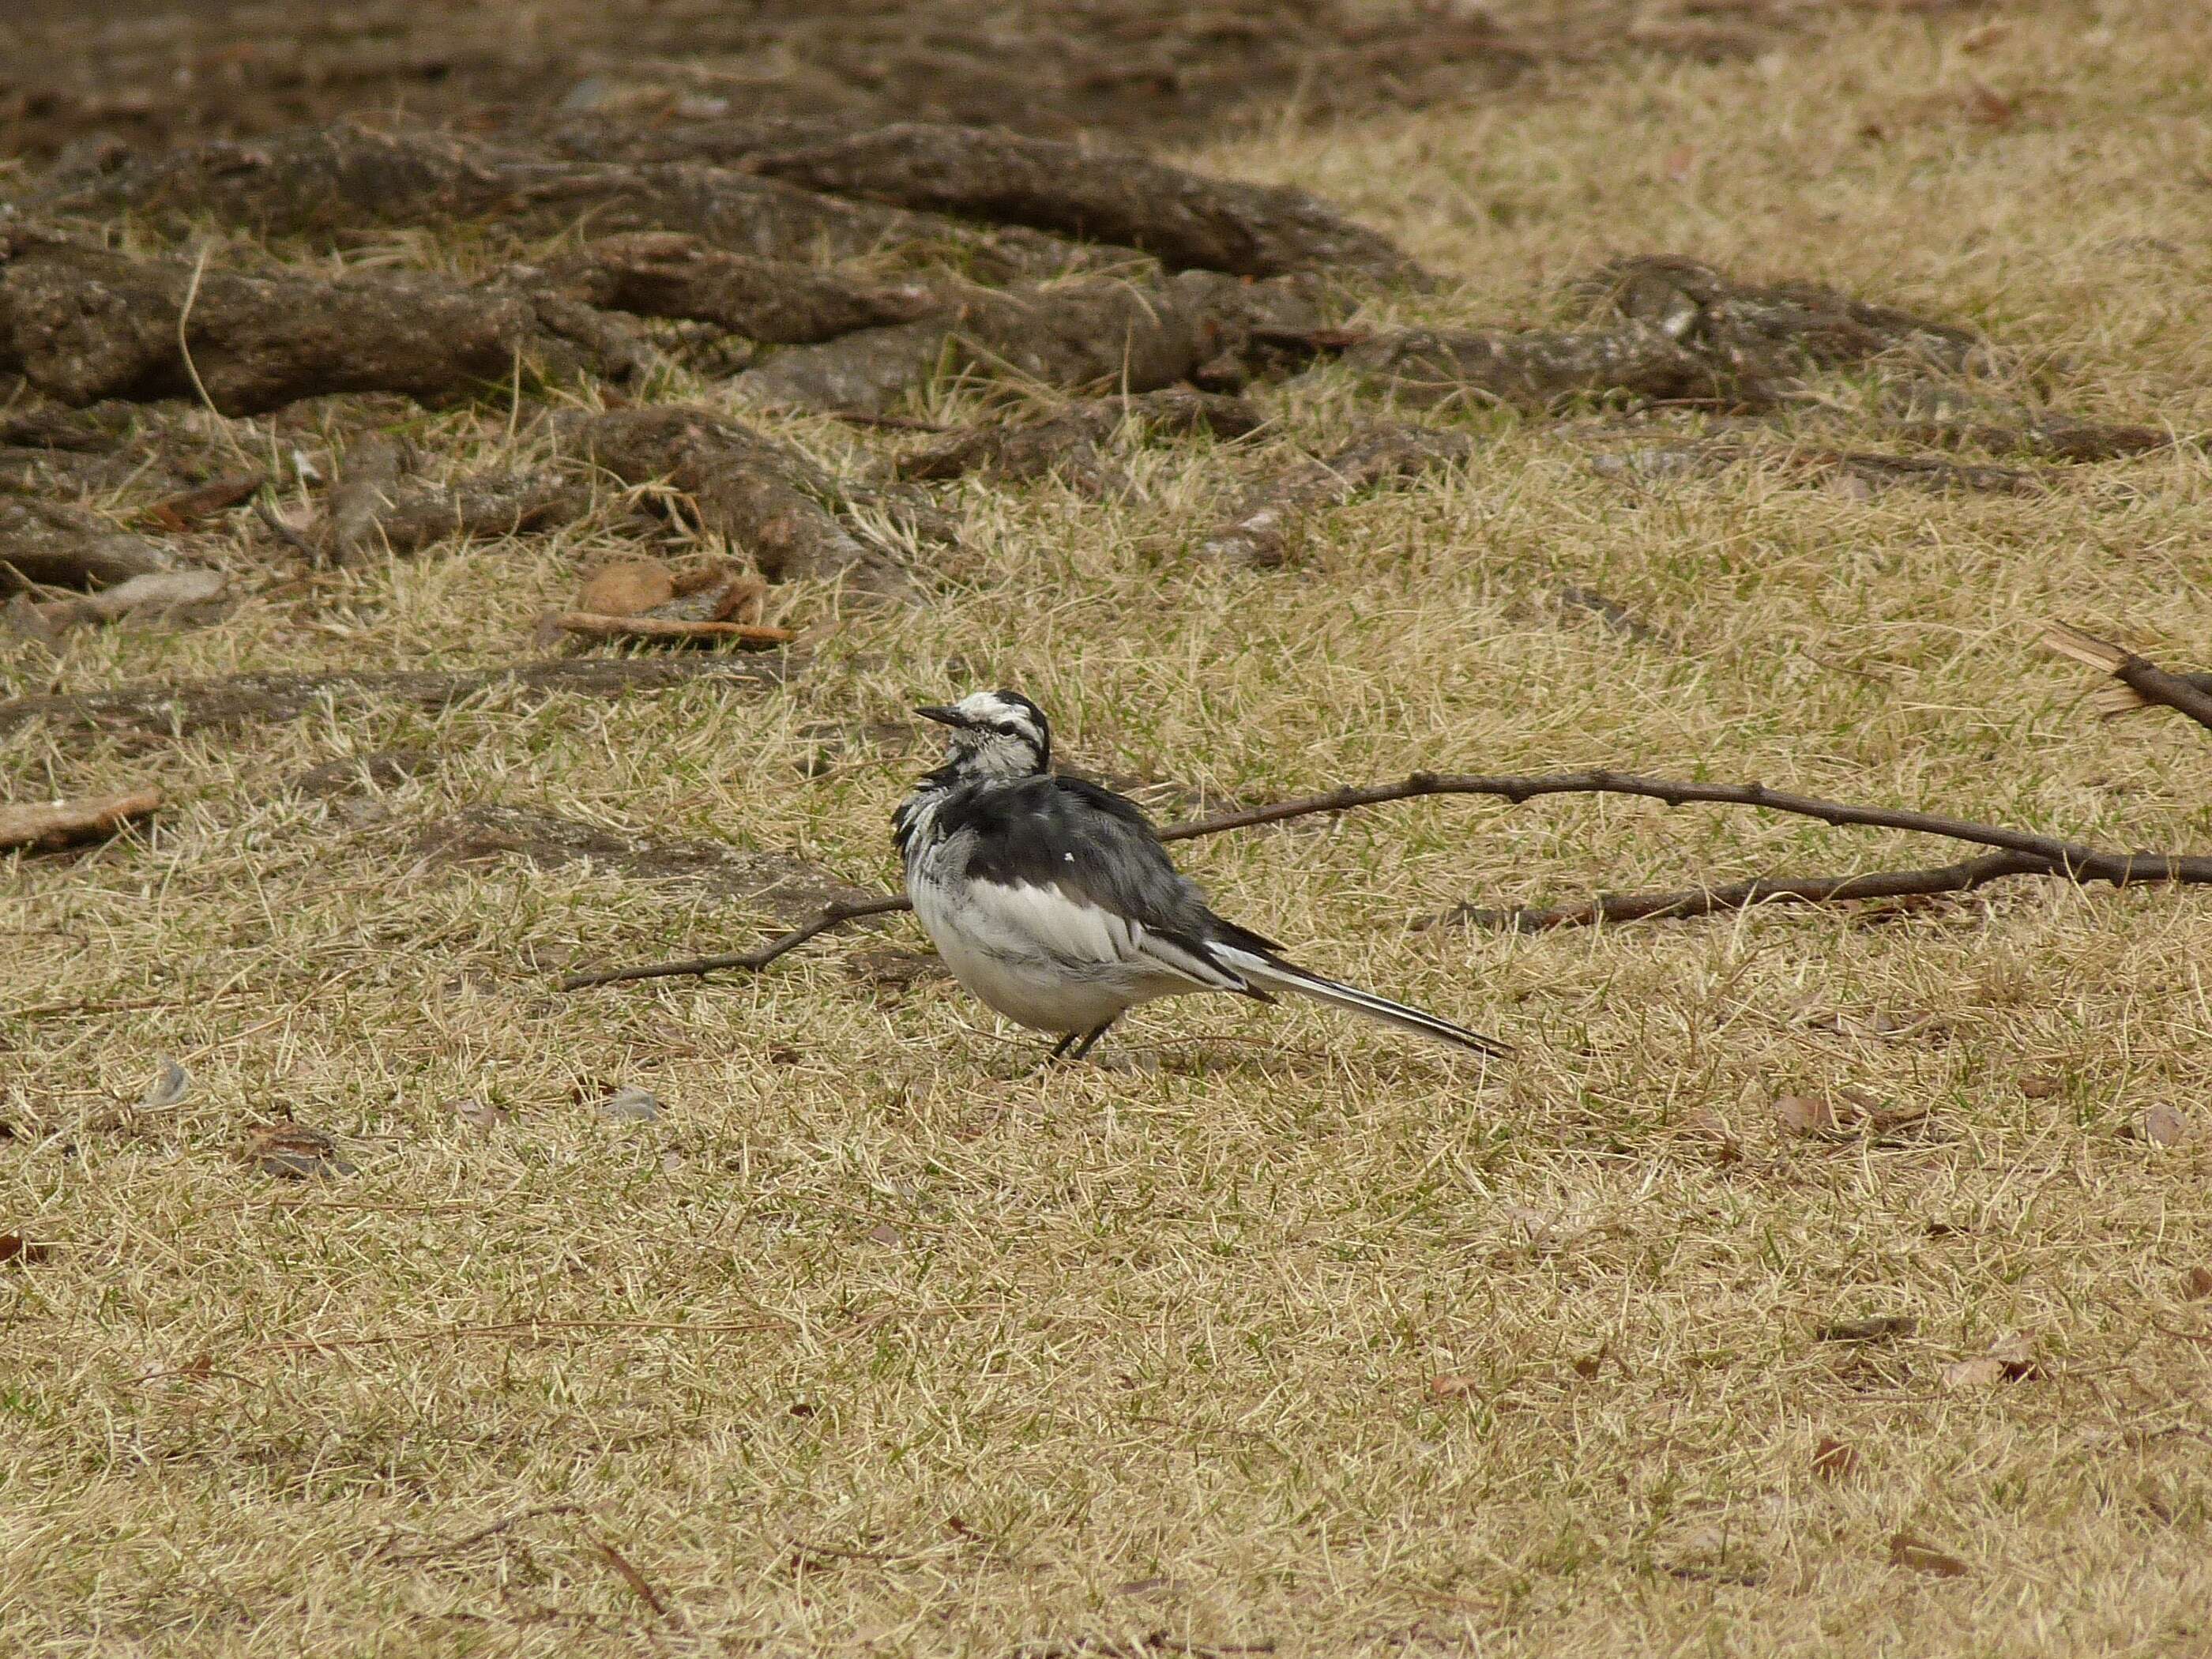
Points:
(1037, 959)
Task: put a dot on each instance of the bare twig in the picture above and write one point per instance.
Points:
(1741, 895)
(2081, 862)
(2034, 854)
(525, 1328)
(2116, 699)
(284, 533)
(490, 1530)
(831, 916)
(2150, 683)
(630, 1575)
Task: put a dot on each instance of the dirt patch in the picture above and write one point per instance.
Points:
(1263, 531)
(1068, 442)
(788, 888)
(176, 711)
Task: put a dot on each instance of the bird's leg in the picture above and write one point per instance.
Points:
(1090, 1037)
(1061, 1047)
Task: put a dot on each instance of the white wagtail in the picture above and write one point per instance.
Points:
(1053, 901)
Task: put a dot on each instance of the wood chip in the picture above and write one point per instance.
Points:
(63, 823)
(293, 1152)
(592, 625)
(626, 587)
(1882, 1327)
(1834, 1461)
(1918, 1555)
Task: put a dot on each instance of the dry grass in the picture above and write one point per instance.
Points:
(878, 1341)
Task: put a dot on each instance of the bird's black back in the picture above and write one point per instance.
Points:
(1025, 830)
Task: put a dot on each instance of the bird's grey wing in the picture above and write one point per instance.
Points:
(1083, 858)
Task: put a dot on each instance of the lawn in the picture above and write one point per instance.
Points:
(1268, 1331)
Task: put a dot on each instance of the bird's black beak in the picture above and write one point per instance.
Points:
(942, 714)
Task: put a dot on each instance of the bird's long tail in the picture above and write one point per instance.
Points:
(1272, 973)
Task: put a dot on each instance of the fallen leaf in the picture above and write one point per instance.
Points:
(475, 1114)
(1450, 1387)
(2197, 1283)
(631, 1105)
(740, 601)
(1681, 160)
(2016, 1355)
(63, 822)
(293, 1152)
(1862, 1111)
(1921, 1556)
(1882, 1327)
(888, 1237)
(181, 512)
(2039, 1085)
(2164, 1125)
(1804, 1115)
(1834, 1461)
(14, 1247)
(1587, 1366)
(156, 592)
(627, 586)
(1845, 1111)
(1989, 108)
(1985, 1373)
(171, 1083)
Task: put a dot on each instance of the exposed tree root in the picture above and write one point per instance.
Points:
(52, 544)
(44, 825)
(1814, 466)
(347, 175)
(83, 324)
(1763, 336)
(375, 506)
(1960, 877)
(759, 494)
(1535, 370)
(1067, 441)
(1262, 530)
(1187, 221)
(665, 274)
(1930, 412)
(1211, 329)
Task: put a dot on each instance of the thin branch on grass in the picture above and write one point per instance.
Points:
(2147, 682)
(641, 1586)
(284, 533)
(1742, 895)
(2034, 854)
(832, 915)
(525, 1328)
(490, 1530)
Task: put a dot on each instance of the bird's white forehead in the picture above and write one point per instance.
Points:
(990, 706)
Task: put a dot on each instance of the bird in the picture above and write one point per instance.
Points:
(1052, 900)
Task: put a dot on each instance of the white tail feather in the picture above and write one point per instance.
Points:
(1278, 975)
